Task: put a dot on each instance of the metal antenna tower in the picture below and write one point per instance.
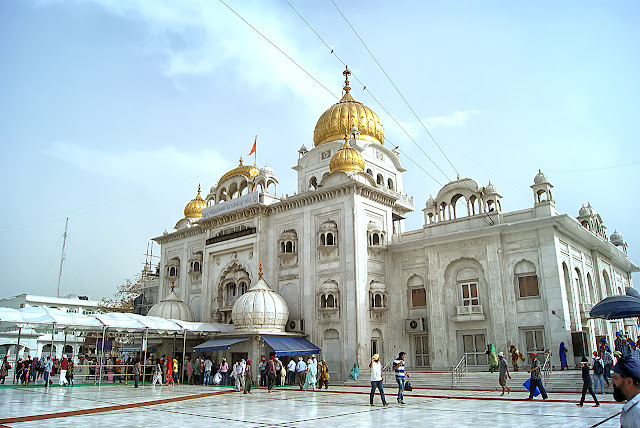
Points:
(64, 243)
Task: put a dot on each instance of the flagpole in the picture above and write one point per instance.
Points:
(255, 152)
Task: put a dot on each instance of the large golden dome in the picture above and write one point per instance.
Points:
(344, 115)
(194, 208)
(346, 159)
(248, 171)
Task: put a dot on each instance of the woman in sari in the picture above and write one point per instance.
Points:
(189, 370)
(169, 373)
(493, 357)
(563, 357)
(312, 371)
(355, 372)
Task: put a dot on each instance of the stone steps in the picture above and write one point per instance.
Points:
(565, 381)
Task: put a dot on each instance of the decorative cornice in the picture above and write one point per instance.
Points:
(174, 236)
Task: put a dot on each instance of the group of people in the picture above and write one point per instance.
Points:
(377, 379)
(29, 370)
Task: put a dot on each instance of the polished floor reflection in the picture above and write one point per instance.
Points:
(344, 406)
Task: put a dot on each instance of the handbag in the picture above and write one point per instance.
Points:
(407, 386)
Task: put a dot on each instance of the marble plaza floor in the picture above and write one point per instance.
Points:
(344, 406)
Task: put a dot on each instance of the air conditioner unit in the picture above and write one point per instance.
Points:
(296, 326)
(414, 325)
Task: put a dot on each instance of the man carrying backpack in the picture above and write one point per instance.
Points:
(598, 371)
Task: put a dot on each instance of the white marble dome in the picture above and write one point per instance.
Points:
(266, 171)
(540, 178)
(260, 309)
(431, 203)
(490, 189)
(172, 308)
(616, 238)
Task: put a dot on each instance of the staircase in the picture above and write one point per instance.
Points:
(478, 378)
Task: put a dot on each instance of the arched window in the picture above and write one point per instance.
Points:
(526, 278)
(289, 247)
(369, 172)
(330, 301)
(390, 183)
(322, 239)
(330, 240)
(172, 271)
(380, 179)
(417, 291)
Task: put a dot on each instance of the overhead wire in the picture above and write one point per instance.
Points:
(490, 221)
(333, 52)
(396, 88)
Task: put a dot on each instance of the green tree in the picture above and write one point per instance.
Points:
(122, 300)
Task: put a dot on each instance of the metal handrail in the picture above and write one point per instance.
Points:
(386, 366)
(458, 371)
(545, 370)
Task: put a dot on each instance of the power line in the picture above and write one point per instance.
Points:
(396, 88)
(275, 46)
(332, 51)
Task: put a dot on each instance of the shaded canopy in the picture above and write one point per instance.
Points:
(617, 307)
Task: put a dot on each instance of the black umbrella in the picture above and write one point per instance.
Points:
(616, 307)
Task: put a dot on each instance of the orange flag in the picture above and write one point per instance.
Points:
(253, 151)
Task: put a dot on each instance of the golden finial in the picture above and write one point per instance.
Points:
(198, 189)
(260, 271)
(346, 73)
(172, 285)
(240, 159)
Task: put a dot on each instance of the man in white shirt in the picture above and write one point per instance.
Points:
(626, 386)
(291, 369)
(376, 379)
(207, 371)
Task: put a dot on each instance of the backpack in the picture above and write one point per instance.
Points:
(597, 367)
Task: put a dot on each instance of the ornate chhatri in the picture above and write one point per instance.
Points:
(345, 114)
(248, 171)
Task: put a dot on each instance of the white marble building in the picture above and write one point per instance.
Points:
(355, 282)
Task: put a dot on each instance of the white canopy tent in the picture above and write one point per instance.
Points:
(44, 319)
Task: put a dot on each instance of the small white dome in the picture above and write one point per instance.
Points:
(540, 178)
(490, 189)
(266, 171)
(431, 203)
(172, 308)
(373, 226)
(329, 287)
(616, 238)
(377, 286)
(260, 309)
(586, 211)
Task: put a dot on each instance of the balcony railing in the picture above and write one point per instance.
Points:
(470, 310)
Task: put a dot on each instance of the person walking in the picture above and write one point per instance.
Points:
(626, 386)
(598, 370)
(301, 372)
(563, 356)
(586, 383)
(248, 378)
(312, 372)
(48, 367)
(283, 374)
(64, 366)
(262, 365)
(376, 379)
(503, 373)
(224, 372)
(492, 357)
(207, 371)
(291, 372)
(607, 360)
(4, 370)
(278, 365)
(536, 378)
(323, 374)
(399, 368)
(271, 373)
(136, 371)
(157, 373)
(176, 378)
(169, 373)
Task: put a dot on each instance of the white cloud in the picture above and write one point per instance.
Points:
(203, 37)
(142, 166)
(457, 119)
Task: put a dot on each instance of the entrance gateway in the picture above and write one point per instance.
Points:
(475, 345)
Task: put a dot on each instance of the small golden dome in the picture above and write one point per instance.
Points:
(346, 159)
(194, 208)
(248, 171)
(343, 115)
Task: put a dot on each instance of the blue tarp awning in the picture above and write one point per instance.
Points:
(289, 346)
(218, 344)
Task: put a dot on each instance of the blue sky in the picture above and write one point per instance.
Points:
(111, 112)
